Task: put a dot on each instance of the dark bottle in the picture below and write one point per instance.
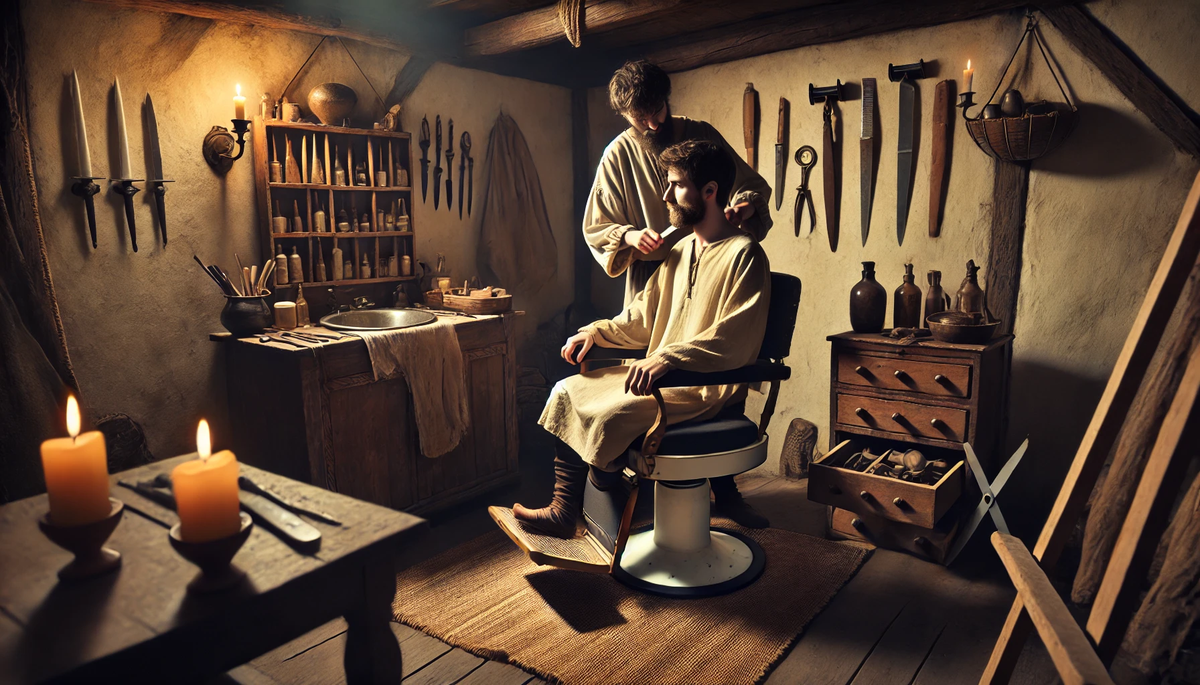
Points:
(969, 298)
(906, 308)
(868, 302)
(936, 299)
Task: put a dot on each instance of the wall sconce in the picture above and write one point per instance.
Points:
(219, 142)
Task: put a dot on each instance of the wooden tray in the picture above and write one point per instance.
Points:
(456, 300)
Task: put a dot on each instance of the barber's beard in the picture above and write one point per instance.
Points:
(654, 142)
(685, 215)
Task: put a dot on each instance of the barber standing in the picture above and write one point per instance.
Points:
(625, 217)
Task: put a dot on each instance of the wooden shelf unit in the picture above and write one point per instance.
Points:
(389, 149)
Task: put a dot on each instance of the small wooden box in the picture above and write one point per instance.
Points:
(888, 498)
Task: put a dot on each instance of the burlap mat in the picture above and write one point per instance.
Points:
(486, 597)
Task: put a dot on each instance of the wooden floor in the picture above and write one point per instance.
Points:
(899, 621)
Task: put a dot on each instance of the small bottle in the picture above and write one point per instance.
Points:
(406, 266)
(339, 172)
(906, 307)
(970, 297)
(318, 169)
(389, 222)
(360, 174)
(281, 267)
(295, 267)
(364, 270)
(279, 222)
(379, 222)
(343, 223)
(868, 302)
(336, 255)
(348, 269)
(319, 273)
(381, 178)
(393, 266)
(319, 221)
(301, 307)
(364, 224)
(297, 222)
(936, 299)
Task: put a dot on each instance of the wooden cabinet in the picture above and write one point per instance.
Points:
(318, 415)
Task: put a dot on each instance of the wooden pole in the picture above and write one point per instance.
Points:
(1010, 188)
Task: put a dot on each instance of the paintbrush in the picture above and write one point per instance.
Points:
(210, 274)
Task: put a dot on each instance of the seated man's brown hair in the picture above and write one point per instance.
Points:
(702, 161)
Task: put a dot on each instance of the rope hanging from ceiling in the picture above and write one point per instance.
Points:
(570, 15)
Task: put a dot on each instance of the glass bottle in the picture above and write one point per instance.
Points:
(868, 302)
(906, 307)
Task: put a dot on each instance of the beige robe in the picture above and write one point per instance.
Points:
(627, 195)
(702, 310)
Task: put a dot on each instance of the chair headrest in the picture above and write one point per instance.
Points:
(781, 318)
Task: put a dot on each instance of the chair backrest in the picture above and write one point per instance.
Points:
(781, 319)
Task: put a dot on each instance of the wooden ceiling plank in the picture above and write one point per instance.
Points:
(541, 27)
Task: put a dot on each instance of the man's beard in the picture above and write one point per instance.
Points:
(654, 142)
(686, 216)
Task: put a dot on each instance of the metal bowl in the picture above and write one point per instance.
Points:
(376, 319)
(332, 103)
(944, 328)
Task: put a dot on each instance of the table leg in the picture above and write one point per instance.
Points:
(372, 652)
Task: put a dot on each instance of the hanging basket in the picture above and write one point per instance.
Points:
(1020, 139)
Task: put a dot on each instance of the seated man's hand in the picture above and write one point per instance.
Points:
(643, 373)
(739, 213)
(583, 340)
(644, 241)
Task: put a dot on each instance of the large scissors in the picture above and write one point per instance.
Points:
(806, 157)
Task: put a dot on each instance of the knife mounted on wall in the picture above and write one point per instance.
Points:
(866, 155)
(906, 75)
(750, 124)
(830, 96)
(939, 152)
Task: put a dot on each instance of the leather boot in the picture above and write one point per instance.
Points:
(558, 519)
(729, 503)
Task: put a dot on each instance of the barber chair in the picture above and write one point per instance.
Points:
(681, 555)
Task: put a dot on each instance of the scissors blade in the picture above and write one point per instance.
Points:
(1009, 467)
(967, 531)
(977, 471)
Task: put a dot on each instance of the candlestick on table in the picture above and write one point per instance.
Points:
(206, 492)
(76, 471)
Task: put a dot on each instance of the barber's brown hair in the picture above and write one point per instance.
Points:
(701, 162)
(639, 88)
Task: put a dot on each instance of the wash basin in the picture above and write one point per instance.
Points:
(376, 319)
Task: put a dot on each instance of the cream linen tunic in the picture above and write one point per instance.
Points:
(702, 310)
(627, 195)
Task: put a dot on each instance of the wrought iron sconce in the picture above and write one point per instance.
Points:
(219, 144)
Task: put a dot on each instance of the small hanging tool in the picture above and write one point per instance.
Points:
(905, 75)
(781, 153)
(830, 96)
(806, 157)
(437, 165)
(450, 168)
(464, 144)
(424, 143)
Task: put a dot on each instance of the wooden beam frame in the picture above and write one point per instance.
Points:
(1010, 188)
(542, 27)
(1094, 43)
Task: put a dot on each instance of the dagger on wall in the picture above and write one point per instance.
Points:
(906, 75)
(830, 96)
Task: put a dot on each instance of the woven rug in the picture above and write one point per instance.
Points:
(486, 597)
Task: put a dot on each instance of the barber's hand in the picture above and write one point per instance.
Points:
(644, 241)
(580, 340)
(642, 375)
(739, 213)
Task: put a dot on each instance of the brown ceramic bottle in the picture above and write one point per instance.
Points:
(936, 299)
(868, 302)
(969, 298)
(906, 309)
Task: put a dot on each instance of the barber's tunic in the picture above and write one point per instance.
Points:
(627, 195)
(702, 310)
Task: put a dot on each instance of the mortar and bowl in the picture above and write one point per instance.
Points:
(972, 328)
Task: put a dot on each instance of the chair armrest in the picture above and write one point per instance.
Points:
(598, 353)
(760, 371)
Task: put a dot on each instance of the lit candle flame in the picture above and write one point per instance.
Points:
(203, 441)
(968, 64)
(239, 86)
(72, 416)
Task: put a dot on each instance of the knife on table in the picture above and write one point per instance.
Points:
(781, 159)
(866, 153)
(248, 485)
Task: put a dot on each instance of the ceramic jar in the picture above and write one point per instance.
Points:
(906, 307)
(936, 299)
(243, 316)
(868, 302)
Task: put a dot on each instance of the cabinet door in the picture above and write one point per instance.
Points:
(373, 441)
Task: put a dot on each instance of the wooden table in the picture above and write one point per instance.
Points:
(140, 625)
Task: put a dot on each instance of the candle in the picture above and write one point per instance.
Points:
(85, 157)
(76, 470)
(206, 492)
(239, 104)
(124, 170)
(968, 75)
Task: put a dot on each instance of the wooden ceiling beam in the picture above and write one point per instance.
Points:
(541, 27)
(1092, 41)
(270, 17)
(815, 25)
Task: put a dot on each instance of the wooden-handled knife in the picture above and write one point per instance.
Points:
(750, 124)
(866, 153)
(829, 173)
(937, 172)
(781, 159)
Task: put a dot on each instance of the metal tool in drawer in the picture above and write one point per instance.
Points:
(906, 375)
(830, 482)
(903, 418)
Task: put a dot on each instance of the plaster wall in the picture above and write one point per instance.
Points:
(137, 325)
(1100, 209)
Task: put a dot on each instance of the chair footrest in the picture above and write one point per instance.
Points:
(581, 553)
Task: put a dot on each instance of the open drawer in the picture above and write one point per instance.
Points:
(891, 498)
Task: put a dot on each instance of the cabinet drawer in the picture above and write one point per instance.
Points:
(891, 498)
(930, 544)
(898, 373)
(903, 418)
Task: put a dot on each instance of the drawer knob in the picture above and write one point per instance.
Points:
(857, 523)
(862, 371)
(920, 541)
(941, 379)
(899, 502)
(900, 375)
(898, 417)
(865, 495)
(862, 413)
(937, 423)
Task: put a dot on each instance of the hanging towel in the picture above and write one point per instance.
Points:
(430, 360)
(515, 242)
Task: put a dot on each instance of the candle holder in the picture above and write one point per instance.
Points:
(219, 143)
(86, 187)
(86, 542)
(213, 558)
(966, 101)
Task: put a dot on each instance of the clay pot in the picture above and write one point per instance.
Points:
(243, 316)
(332, 103)
(868, 302)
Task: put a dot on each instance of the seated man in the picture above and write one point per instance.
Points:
(704, 309)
